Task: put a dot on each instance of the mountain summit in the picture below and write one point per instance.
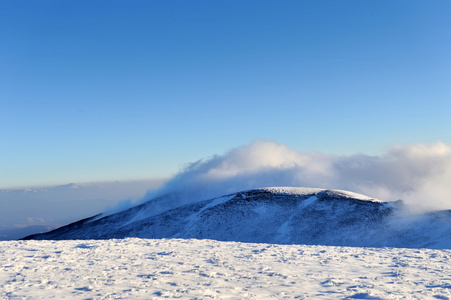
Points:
(273, 215)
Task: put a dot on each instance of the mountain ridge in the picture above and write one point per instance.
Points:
(277, 215)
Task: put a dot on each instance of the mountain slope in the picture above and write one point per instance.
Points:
(273, 215)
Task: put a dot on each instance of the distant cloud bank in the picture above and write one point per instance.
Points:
(31, 210)
(419, 174)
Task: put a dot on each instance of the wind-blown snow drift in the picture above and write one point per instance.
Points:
(199, 269)
(274, 215)
(418, 174)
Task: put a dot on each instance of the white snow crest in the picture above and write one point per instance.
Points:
(302, 191)
(348, 194)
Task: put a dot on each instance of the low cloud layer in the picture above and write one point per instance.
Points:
(419, 174)
(26, 211)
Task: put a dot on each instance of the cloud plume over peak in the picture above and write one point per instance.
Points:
(419, 174)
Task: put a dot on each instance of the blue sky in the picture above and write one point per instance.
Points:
(125, 90)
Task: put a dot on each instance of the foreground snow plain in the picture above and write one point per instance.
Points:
(135, 268)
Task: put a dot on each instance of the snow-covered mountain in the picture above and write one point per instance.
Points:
(273, 215)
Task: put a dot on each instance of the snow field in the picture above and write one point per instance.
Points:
(175, 268)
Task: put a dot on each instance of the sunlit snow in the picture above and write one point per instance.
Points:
(151, 268)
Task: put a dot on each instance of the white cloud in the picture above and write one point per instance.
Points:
(419, 174)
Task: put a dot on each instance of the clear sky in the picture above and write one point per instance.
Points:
(124, 90)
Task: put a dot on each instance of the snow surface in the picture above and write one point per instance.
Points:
(155, 268)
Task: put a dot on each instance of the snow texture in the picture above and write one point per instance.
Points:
(201, 269)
